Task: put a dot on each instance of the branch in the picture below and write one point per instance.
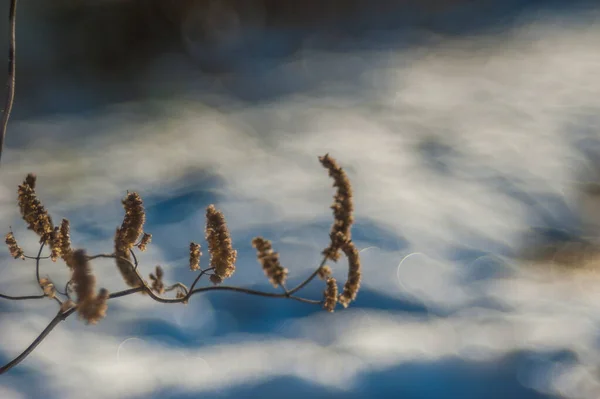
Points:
(10, 85)
(57, 319)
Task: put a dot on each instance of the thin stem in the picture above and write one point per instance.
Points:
(309, 279)
(37, 264)
(20, 298)
(10, 84)
(199, 276)
(57, 319)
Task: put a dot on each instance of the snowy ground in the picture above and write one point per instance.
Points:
(456, 146)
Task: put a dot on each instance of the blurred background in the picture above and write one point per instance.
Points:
(469, 130)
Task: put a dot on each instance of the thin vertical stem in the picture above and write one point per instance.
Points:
(10, 84)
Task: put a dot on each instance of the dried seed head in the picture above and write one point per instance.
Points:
(15, 250)
(55, 244)
(195, 255)
(157, 281)
(324, 273)
(330, 295)
(94, 310)
(181, 295)
(133, 222)
(352, 285)
(146, 239)
(65, 242)
(32, 210)
(342, 208)
(123, 262)
(84, 280)
(269, 261)
(48, 287)
(222, 254)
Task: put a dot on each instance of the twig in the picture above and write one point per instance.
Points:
(57, 319)
(10, 84)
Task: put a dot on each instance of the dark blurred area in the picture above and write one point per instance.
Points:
(120, 49)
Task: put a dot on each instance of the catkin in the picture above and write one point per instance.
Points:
(330, 295)
(269, 260)
(342, 208)
(90, 307)
(222, 254)
(146, 239)
(15, 250)
(157, 280)
(195, 255)
(127, 235)
(352, 284)
(32, 210)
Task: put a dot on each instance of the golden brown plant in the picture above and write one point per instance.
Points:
(157, 280)
(32, 210)
(92, 306)
(342, 208)
(195, 255)
(146, 239)
(15, 250)
(65, 242)
(222, 254)
(269, 260)
(330, 295)
(353, 282)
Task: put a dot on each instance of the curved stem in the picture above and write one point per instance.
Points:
(57, 319)
(19, 298)
(309, 279)
(10, 84)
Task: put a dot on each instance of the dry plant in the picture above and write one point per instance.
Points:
(91, 304)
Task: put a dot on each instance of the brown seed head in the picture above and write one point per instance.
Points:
(15, 250)
(65, 242)
(48, 287)
(83, 278)
(270, 261)
(324, 273)
(146, 239)
(55, 244)
(32, 210)
(352, 285)
(133, 222)
(222, 254)
(195, 255)
(342, 208)
(94, 310)
(330, 295)
(123, 262)
(157, 281)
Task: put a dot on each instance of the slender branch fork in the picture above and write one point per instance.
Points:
(63, 314)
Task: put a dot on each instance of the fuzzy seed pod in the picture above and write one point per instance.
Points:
(342, 208)
(123, 262)
(55, 244)
(324, 273)
(32, 210)
(270, 261)
(84, 280)
(15, 250)
(65, 242)
(157, 281)
(330, 295)
(48, 287)
(133, 222)
(352, 285)
(222, 254)
(146, 239)
(195, 255)
(94, 310)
